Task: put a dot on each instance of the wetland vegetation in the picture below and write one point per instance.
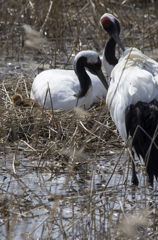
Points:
(68, 175)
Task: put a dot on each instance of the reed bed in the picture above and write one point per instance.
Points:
(68, 175)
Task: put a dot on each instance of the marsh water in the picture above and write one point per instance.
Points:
(59, 180)
(40, 191)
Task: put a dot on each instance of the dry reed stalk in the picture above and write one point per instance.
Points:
(59, 170)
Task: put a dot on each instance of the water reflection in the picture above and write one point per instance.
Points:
(66, 200)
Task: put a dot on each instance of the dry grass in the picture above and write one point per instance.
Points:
(67, 175)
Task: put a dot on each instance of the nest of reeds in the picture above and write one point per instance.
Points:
(68, 175)
(57, 131)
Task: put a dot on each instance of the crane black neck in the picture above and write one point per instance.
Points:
(110, 52)
(84, 79)
(111, 44)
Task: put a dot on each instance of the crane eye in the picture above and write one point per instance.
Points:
(99, 61)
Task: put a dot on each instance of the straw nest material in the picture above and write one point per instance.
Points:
(67, 175)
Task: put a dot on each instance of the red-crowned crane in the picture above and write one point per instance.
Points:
(69, 87)
(132, 99)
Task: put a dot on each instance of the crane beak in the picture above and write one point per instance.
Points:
(102, 79)
(117, 39)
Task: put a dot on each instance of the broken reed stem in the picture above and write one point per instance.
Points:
(63, 172)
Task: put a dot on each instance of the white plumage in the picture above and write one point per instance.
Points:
(132, 99)
(65, 85)
(133, 79)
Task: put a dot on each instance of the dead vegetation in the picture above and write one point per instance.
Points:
(67, 175)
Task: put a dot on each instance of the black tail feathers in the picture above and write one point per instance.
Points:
(142, 126)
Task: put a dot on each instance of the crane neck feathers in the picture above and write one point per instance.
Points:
(84, 79)
(85, 59)
(111, 25)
